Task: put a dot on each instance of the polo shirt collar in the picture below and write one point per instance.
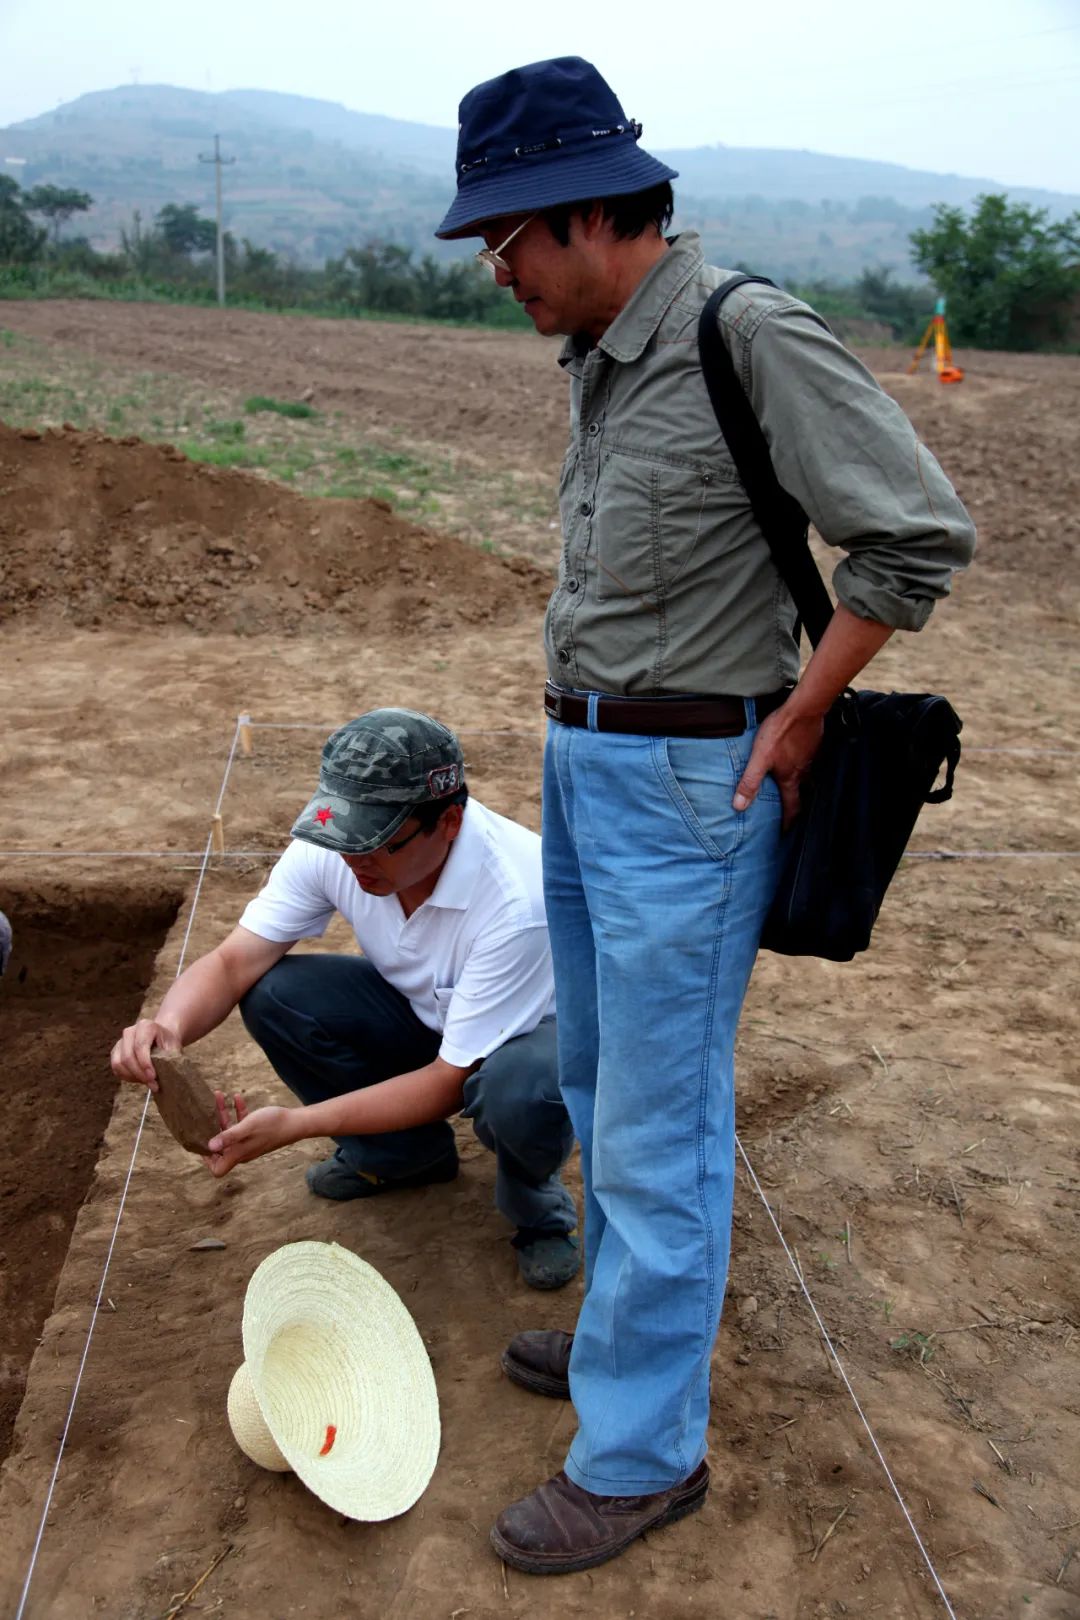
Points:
(458, 878)
(630, 331)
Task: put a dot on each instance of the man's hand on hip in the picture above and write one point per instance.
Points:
(788, 739)
(784, 749)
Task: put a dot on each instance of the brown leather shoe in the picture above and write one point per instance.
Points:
(560, 1528)
(540, 1360)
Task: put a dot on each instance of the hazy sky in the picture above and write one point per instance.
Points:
(981, 87)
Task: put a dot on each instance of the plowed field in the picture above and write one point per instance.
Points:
(911, 1116)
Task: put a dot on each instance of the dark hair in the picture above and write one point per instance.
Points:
(630, 216)
(428, 813)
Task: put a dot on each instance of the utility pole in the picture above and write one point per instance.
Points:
(217, 160)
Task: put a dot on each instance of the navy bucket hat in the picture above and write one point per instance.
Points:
(548, 133)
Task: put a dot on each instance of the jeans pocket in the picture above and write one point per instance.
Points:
(699, 776)
(739, 751)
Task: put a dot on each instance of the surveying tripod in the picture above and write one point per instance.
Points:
(943, 360)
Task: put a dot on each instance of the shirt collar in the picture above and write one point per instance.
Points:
(630, 331)
(458, 878)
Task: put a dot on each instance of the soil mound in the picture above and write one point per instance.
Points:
(110, 532)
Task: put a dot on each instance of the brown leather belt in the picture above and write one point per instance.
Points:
(660, 716)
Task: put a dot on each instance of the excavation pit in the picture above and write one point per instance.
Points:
(80, 966)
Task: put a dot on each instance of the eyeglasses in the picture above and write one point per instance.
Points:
(493, 257)
(392, 849)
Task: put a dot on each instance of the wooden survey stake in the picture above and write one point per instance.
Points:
(184, 1101)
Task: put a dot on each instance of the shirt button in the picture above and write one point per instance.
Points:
(594, 428)
(586, 508)
(571, 584)
(564, 656)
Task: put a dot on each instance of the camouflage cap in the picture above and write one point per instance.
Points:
(375, 772)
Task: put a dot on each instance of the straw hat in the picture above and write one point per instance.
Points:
(336, 1382)
(249, 1427)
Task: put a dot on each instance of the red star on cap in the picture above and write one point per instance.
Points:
(324, 815)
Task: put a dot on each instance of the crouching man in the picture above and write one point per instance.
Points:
(449, 1009)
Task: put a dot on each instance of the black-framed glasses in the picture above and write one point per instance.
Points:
(392, 849)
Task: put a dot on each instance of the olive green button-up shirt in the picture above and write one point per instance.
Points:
(666, 583)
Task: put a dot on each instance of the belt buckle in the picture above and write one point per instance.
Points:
(553, 702)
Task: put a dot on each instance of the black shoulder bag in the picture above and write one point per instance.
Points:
(882, 751)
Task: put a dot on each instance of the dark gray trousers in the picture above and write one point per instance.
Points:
(332, 1024)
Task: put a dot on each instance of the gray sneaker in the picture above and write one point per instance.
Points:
(547, 1259)
(336, 1178)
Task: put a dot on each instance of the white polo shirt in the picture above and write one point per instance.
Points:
(473, 961)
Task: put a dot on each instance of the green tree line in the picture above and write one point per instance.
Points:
(171, 257)
(1011, 277)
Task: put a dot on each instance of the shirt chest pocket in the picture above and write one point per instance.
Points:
(649, 518)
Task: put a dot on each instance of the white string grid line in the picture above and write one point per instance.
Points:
(314, 725)
(244, 722)
(990, 854)
(273, 854)
(530, 736)
(135, 854)
(846, 1380)
(119, 1213)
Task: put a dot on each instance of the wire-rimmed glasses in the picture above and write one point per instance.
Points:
(493, 257)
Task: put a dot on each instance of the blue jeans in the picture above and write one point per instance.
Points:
(656, 891)
(332, 1024)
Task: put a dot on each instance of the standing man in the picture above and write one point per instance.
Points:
(449, 1009)
(676, 743)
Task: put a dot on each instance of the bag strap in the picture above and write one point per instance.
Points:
(952, 760)
(780, 517)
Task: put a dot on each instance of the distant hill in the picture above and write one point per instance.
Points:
(313, 177)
